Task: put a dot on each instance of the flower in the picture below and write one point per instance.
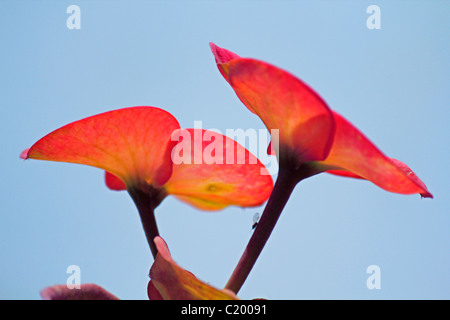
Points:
(135, 147)
(213, 172)
(132, 143)
(312, 137)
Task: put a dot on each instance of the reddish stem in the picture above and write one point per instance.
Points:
(284, 185)
(146, 203)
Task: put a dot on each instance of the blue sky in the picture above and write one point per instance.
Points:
(391, 83)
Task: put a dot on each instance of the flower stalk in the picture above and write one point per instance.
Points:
(288, 177)
(146, 204)
(283, 188)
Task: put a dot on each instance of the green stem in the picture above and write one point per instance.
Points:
(284, 185)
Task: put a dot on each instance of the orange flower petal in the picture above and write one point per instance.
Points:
(283, 102)
(216, 172)
(174, 283)
(134, 144)
(353, 155)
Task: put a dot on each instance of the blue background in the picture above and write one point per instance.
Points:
(392, 83)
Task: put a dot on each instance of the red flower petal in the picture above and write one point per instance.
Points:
(205, 179)
(345, 173)
(283, 102)
(174, 283)
(24, 154)
(310, 130)
(114, 183)
(217, 172)
(223, 56)
(353, 155)
(85, 292)
(152, 292)
(132, 143)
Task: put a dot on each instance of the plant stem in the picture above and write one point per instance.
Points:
(284, 185)
(145, 204)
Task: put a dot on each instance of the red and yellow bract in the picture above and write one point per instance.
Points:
(311, 135)
(135, 145)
